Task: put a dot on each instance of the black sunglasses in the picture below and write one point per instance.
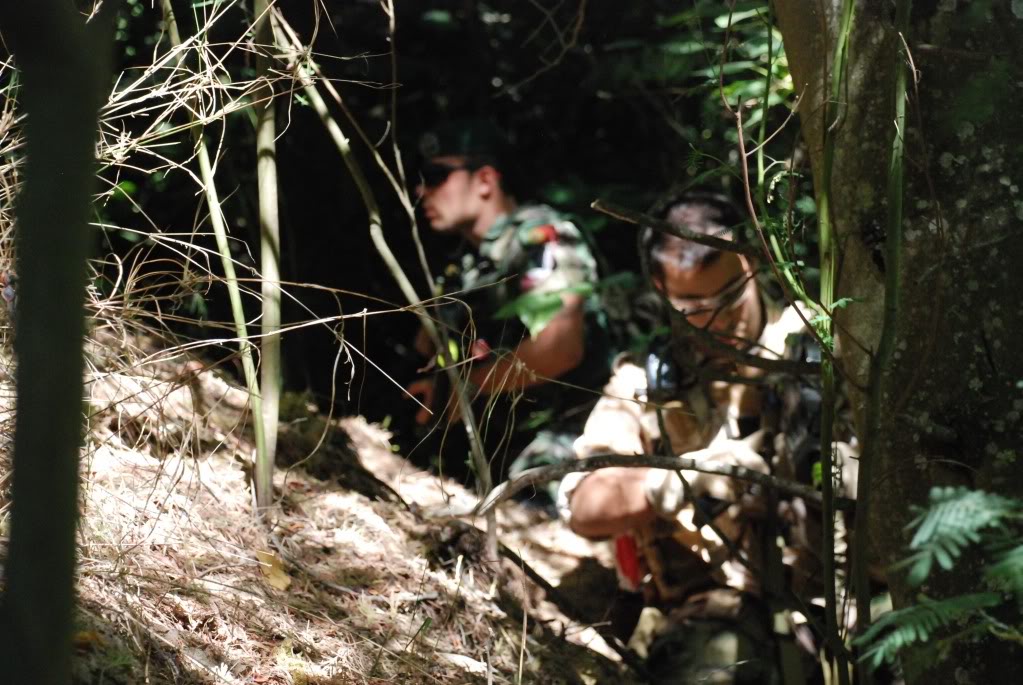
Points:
(434, 173)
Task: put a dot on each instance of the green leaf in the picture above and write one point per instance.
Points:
(737, 17)
(896, 630)
(979, 97)
(953, 521)
(1007, 570)
(622, 279)
(197, 306)
(537, 420)
(536, 310)
(806, 205)
(126, 188)
(438, 17)
(943, 557)
(727, 68)
(843, 302)
(920, 564)
(682, 47)
(561, 194)
(130, 236)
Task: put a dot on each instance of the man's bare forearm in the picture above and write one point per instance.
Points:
(609, 502)
(557, 349)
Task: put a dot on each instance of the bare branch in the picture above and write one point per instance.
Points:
(714, 343)
(640, 219)
(545, 474)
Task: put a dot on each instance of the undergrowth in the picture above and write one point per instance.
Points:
(956, 521)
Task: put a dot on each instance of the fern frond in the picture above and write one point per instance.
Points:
(897, 629)
(1006, 573)
(952, 521)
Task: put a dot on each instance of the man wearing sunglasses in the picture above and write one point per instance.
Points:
(524, 315)
(675, 541)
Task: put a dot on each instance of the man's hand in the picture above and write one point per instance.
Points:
(423, 390)
(423, 344)
(557, 349)
(614, 500)
(667, 494)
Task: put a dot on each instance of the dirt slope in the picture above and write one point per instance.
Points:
(348, 583)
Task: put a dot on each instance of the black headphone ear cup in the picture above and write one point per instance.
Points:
(649, 314)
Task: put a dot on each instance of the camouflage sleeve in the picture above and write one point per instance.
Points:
(556, 255)
(555, 260)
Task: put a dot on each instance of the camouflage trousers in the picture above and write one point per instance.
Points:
(549, 446)
(717, 638)
(510, 440)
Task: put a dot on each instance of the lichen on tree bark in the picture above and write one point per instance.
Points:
(954, 372)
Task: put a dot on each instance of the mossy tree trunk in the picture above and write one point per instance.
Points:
(62, 78)
(952, 402)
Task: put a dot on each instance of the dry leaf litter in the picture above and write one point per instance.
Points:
(180, 583)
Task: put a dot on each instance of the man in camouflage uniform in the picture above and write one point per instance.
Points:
(525, 318)
(678, 537)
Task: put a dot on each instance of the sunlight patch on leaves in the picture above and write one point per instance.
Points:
(954, 520)
(537, 309)
(272, 568)
(917, 623)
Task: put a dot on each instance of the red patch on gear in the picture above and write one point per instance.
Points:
(627, 556)
(543, 234)
(479, 350)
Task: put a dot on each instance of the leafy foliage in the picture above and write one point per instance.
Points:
(917, 623)
(1007, 572)
(536, 309)
(956, 519)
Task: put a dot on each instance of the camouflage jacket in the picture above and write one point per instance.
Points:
(512, 287)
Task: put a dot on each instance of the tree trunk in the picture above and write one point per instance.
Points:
(951, 406)
(269, 254)
(62, 81)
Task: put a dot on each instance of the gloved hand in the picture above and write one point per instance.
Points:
(423, 391)
(666, 493)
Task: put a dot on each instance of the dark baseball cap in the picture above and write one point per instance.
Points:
(478, 139)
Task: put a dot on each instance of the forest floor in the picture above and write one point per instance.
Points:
(348, 582)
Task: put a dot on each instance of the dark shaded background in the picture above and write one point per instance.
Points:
(619, 115)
